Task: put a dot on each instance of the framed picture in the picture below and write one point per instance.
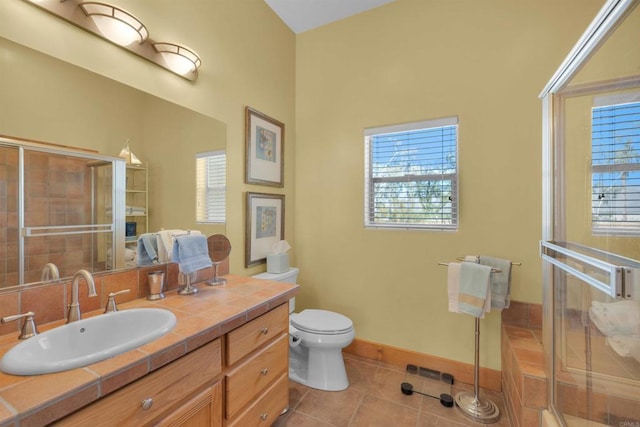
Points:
(265, 226)
(264, 149)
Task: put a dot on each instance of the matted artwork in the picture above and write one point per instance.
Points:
(265, 226)
(264, 148)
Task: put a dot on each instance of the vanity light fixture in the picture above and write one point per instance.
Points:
(126, 31)
(116, 24)
(180, 59)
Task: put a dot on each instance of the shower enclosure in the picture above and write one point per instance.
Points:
(60, 206)
(591, 224)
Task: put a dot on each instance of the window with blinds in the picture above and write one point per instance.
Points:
(211, 187)
(615, 170)
(411, 175)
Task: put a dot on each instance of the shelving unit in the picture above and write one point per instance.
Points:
(137, 202)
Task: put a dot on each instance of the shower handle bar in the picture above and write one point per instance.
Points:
(614, 286)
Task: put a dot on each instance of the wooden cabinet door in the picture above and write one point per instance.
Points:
(204, 410)
(150, 397)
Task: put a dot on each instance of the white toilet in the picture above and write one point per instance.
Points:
(316, 340)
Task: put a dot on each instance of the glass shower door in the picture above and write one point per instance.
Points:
(591, 224)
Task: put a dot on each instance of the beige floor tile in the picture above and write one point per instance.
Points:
(374, 412)
(360, 374)
(335, 408)
(386, 385)
(296, 419)
(374, 399)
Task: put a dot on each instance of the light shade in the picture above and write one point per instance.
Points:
(125, 30)
(115, 24)
(180, 59)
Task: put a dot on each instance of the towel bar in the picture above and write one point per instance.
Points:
(493, 269)
(463, 259)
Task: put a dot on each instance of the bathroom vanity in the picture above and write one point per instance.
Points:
(225, 363)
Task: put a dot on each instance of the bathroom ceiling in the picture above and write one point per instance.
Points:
(303, 15)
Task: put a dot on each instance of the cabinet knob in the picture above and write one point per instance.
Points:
(264, 372)
(264, 416)
(147, 403)
(264, 330)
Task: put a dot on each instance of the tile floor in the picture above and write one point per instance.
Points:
(374, 399)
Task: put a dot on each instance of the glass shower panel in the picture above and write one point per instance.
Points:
(592, 228)
(9, 253)
(67, 213)
(597, 351)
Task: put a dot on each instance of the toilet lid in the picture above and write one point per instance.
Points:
(321, 322)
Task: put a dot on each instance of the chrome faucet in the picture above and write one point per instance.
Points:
(50, 272)
(74, 307)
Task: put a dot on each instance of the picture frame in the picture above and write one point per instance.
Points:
(264, 149)
(264, 226)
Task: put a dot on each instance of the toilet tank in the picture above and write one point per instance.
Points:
(290, 276)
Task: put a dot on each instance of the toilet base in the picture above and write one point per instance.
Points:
(322, 369)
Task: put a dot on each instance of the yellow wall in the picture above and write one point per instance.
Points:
(410, 60)
(413, 60)
(248, 58)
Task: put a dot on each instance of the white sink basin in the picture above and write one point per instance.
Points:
(87, 341)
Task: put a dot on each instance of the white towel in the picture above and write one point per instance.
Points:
(616, 318)
(135, 210)
(453, 285)
(626, 345)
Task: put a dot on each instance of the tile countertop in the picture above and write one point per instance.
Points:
(202, 317)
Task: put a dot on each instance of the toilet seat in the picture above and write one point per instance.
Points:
(321, 322)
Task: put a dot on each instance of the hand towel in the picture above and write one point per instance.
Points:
(453, 285)
(487, 302)
(166, 238)
(147, 249)
(165, 243)
(474, 288)
(500, 281)
(191, 252)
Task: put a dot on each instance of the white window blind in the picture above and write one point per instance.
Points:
(211, 187)
(411, 175)
(615, 177)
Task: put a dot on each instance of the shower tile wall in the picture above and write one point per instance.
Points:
(56, 189)
(55, 194)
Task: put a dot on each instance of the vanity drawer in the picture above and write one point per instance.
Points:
(167, 387)
(267, 408)
(245, 339)
(249, 379)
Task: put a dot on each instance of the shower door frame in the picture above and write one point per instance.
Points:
(553, 179)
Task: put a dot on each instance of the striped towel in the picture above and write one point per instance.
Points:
(474, 292)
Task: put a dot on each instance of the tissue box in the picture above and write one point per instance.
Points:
(278, 263)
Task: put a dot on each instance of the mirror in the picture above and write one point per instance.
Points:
(219, 250)
(46, 99)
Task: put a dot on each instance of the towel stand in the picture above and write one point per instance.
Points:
(470, 404)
